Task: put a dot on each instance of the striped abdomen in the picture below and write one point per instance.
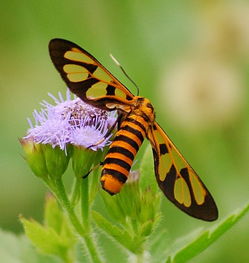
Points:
(119, 159)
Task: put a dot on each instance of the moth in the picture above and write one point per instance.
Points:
(94, 84)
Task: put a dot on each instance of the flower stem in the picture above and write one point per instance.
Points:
(75, 192)
(64, 201)
(85, 203)
(87, 239)
(139, 258)
(93, 251)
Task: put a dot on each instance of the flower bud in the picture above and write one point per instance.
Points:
(34, 157)
(82, 160)
(56, 160)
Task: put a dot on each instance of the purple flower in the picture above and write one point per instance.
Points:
(88, 136)
(70, 121)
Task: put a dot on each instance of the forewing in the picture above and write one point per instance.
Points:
(86, 77)
(177, 179)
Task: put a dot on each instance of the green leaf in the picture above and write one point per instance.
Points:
(47, 240)
(113, 232)
(17, 249)
(53, 215)
(55, 219)
(206, 238)
(82, 160)
(147, 177)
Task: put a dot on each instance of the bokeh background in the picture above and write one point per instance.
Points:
(189, 57)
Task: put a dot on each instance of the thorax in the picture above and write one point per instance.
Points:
(143, 107)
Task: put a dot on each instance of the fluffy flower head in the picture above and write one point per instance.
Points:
(70, 121)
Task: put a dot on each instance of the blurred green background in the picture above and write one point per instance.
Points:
(189, 57)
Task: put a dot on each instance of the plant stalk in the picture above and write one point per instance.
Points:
(65, 203)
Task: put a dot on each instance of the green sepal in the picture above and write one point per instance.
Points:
(35, 157)
(82, 160)
(56, 160)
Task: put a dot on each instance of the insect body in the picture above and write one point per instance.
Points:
(133, 129)
(94, 84)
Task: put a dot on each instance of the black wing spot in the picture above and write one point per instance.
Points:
(90, 67)
(171, 175)
(128, 97)
(163, 149)
(110, 90)
(184, 173)
(154, 127)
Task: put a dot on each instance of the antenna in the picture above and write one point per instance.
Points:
(130, 79)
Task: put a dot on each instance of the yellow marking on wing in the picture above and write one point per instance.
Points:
(165, 161)
(198, 190)
(76, 55)
(73, 68)
(96, 90)
(100, 74)
(181, 192)
(178, 159)
(159, 137)
(75, 73)
(77, 77)
(172, 157)
(164, 166)
(120, 93)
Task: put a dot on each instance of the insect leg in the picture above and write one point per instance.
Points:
(94, 168)
(108, 132)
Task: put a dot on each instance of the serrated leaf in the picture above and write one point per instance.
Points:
(54, 218)
(53, 215)
(47, 240)
(206, 238)
(113, 232)
(146, 228)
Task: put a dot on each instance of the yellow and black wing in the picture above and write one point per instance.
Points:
(87, 77)
(178, 181)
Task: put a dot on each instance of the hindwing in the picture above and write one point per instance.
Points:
(177, 179)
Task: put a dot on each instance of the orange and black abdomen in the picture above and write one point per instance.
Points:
(122, 151)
